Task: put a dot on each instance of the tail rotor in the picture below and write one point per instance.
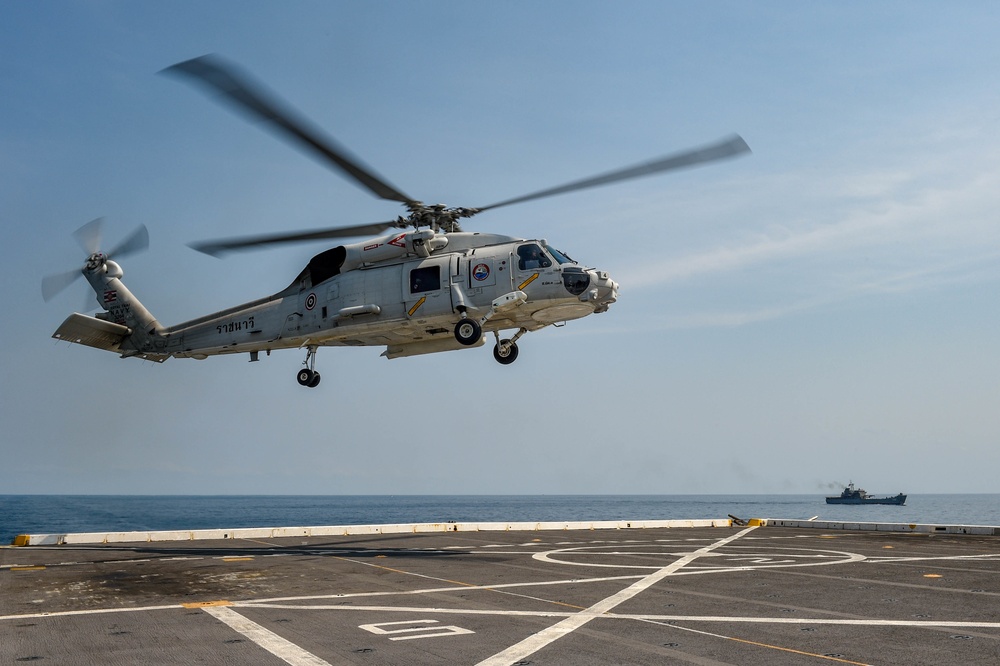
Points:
(89, 238)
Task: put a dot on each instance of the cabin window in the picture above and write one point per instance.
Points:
(427, 278)
(530, 257)
(325, 265)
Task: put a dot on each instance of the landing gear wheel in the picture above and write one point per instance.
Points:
(305, 377)
(468, 331)
(505, 352)
(314, 382)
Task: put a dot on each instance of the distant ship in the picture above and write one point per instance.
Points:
(852, 495)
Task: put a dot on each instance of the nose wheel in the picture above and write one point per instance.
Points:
(308, 376)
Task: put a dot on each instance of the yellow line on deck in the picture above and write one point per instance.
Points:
(207, 604)
(839, 660)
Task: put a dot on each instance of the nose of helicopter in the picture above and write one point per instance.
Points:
(603, 291)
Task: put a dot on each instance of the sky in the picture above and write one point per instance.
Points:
(821, 311)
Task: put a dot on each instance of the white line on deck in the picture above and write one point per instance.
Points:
(285, 650)
(535, 642)
(725, 619)
(438, 590)
(924, 558)
(91, 611)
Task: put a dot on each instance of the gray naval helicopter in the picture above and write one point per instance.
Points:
(425, 286)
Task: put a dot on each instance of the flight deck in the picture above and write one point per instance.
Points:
(685, 592)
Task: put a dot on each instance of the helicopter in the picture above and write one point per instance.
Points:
(422, 285)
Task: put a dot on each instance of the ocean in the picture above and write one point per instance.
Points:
(48, 514)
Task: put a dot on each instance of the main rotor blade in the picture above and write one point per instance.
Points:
(137, 242)
(239, 89)
(729, 148)
(53, 284)
(217, 248)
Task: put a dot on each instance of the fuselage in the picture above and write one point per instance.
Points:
(384, 292)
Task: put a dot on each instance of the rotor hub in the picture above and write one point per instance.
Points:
(437, 216)
(95, 261)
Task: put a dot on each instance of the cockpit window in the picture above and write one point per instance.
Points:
(530, 256)
(559, 256)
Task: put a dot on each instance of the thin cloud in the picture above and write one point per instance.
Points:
(906, 223)
(964, 272)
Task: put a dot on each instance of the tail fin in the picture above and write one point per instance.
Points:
(125, 326)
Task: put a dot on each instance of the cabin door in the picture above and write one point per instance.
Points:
(427, 287)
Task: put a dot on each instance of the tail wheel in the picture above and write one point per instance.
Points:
(468, 331)
(505, 352)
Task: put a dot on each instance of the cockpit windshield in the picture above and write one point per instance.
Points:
(558, 256)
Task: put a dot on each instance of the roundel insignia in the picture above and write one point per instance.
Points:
(310, 301)
(481, 272)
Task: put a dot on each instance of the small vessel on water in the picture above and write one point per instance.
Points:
(852, 495)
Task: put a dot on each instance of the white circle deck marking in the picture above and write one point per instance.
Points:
(745, 557)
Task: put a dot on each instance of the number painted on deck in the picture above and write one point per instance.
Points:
(413, 632)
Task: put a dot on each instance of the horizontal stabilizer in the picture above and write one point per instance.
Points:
(92, 332)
